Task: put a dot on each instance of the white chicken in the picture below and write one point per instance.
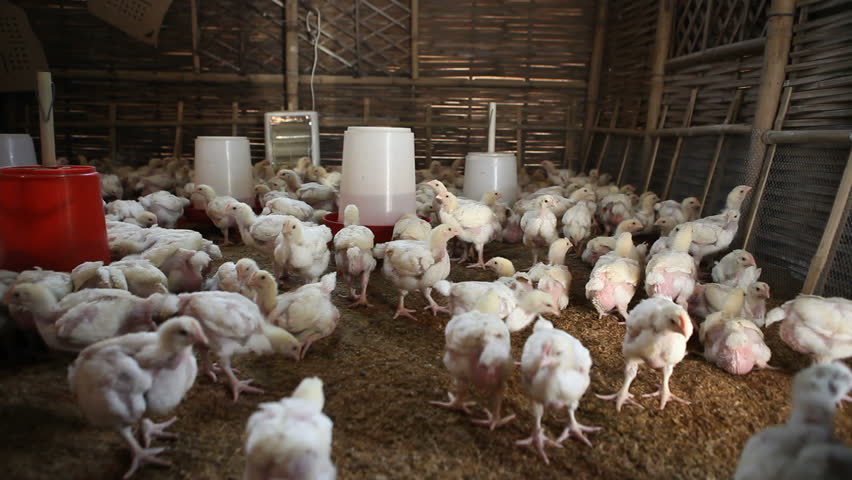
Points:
(111, 186)
(478, 356)
(234, 326)
(733, 343)
(657, 332)
(123, 380)
(217, 209)
(672, 274)
(316, 195)
(130, 211)
(539, 226)
(306, 312)
(577, 223)
(554, 373)
(141, 276)
(710, 297)
(599, 246)
(645, 213)
(302, 250)
(554, 277)
(713, 234)
(614, 209)
(58, 283)
(167, 207)
(816, 326)
(411, 227)
(805, 446)
(680, 212)
(288, 206)
(614, 278)
(258, 232)
(733, 269)
(234, 277)
(353, 257)
(417, 265)
(474, 222)
(291, 439)
(96, 275)
(185, 269)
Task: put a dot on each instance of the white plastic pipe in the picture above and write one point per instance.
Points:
(492, 126)
(45, 115)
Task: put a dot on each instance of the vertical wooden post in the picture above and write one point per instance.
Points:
(831, 234)
(519, 135)
(652, 159)
(113, 134)
(415, 37)
(570, 136)
(46, 114)
(429, 133)
(613, 122)
(594, 82)
(587, 148)
(629, 145)
(366, 110)
(730, 117)
(179, 131)
(687, 121)
(292, 54)
(665, 13)
(708, 16)
(196, 61)
(235, 115)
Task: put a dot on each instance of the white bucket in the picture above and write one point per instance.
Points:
(484, 172)
(378, 173)
(224, 163)
(16, 150)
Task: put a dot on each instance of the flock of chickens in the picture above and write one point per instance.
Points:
(135, 322)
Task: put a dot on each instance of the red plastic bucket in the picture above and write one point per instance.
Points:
(51, 218)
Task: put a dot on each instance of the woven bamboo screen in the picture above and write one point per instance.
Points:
(544, 41)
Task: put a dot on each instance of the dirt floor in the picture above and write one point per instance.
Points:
(379, 374)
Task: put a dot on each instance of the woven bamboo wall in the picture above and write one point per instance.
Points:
(543, 40)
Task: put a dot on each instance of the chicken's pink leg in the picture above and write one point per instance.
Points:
(664, 393)
(624, 395)
(141, 456)
(237, 385)
(152, 430)
(433, 305)
(539, 438)
(493, 420)
(401, 310)
(362, 300)
(456, 401)
(481, 262)
(577, 429)
(225, 234)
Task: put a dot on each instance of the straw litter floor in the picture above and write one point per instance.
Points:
(379, 374)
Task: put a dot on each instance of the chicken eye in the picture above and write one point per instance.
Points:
(183, 332)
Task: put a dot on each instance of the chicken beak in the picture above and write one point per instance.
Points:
(555, 311)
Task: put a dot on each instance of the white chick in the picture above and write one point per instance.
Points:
(731, 342)
(291, 439)
(519, 282)
(732, 267)
(130, 211)
(302, 249)
(288, 206)
(657, 332)
(258, 232)
(501, 211)
(120, 381)
(234, 326)
(306, 312)
(411, 227)
(713, 234)
(614, 209)
(645, 212)
(554, 373)
(577, 223)
(530, 305)
(417, 265)
(554, 277)
(539, 226)
(479, 356)
(599, 246)
(710, 297)
(680, 212)
(88, 316)
(316, 195)
(184, 268)
(672, 274)
(234, 277)
(666, 225)
(111, 186)
(167, 207)
(614, 278)
(59, 284)
(217, 209)
(474, 221)
(353, 257)
(96, 275)
(816, 326)
(265, 194)
(319, 174)
(805, 446)
(142, 277)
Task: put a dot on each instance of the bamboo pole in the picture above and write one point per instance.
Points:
(235, 116)
(733, 111)
(593, 84)
(613, 121)
(656, 148)
(278, 79)
(415, 37)
(832, 233)
(708, 16)
(570, 139)
(196, 60)
(178, 150)
(429, 133)
(587, 148)
(628, 145)
(665, 14)
(113, 134)
(292, 55)
(45, 115)
(519, 135)
(687, 121)
(733, 50)
(807, 136)
(757, 194)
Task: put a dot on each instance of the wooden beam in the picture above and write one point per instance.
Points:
(662, 40)
(652, 159)
(278, 79)
(178, 150)
(415, 37)
(628, 145)
(733, 111)
(429, 133)
(519, 135)
(593, 84)
(291, 42)
(235, 117)
(613, 121)
(746, 47)
(832, 233)
(807, 136)
(587, 148)
(570, 139)
(687, 121)
(196, 60)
